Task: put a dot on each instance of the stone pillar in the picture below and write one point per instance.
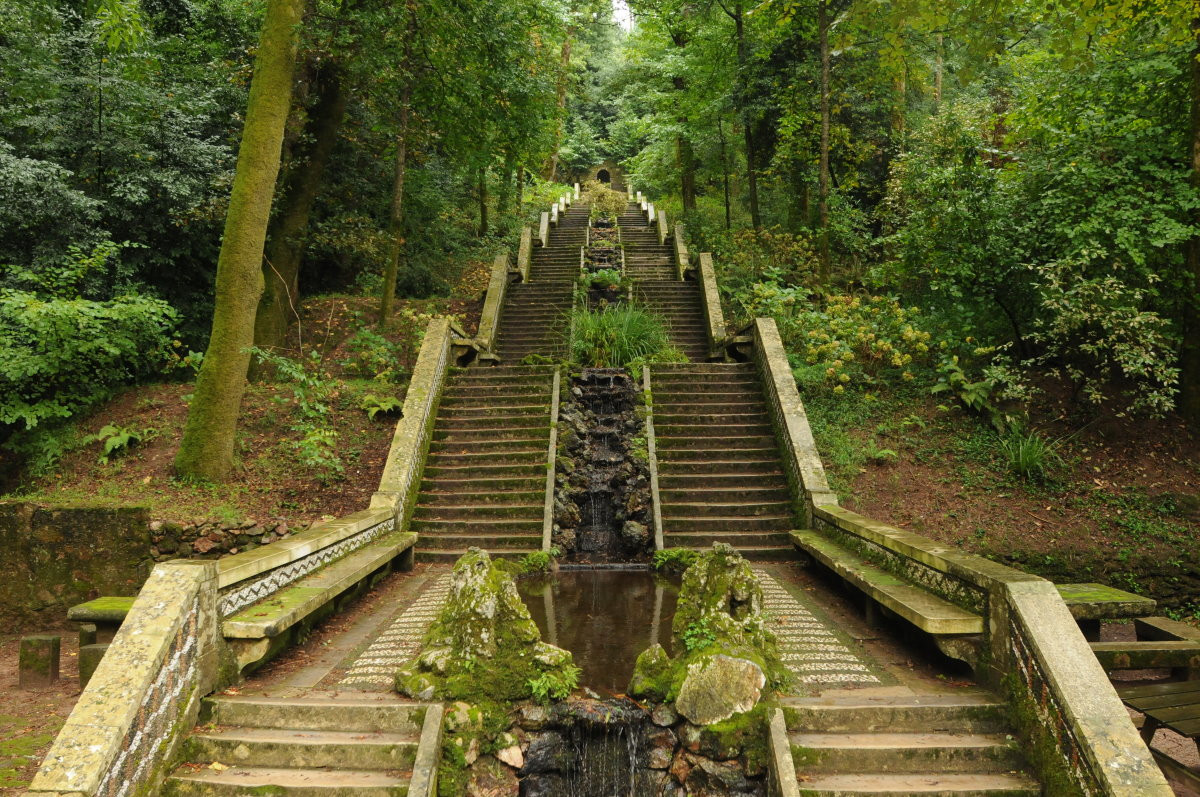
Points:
(89, 660)
(39, 660)
(87, 634)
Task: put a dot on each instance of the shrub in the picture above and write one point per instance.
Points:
(312, 392)
(618, 337)
(60, 353)
(608, 203)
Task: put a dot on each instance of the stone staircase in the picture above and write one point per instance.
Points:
(946, 745)
(534, 317)
(319, 744)
(658, 289)
(720, 476)
(484, 482)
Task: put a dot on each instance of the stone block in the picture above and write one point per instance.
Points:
(89, 660)
(87, 634)
(39, 659)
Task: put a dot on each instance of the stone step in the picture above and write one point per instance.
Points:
(500, 371)
(514, 457)
(755, 553)
(497, 468)
(317, 711)
(686, 524)
(239, 781)
(922, 784)
(736, 510)
(673, 418)
(738, 539)
(961, 712)
(442, 542)
(503, 411)
(276, 747)
(504, 420)
(449, 556)
(712, 442)
(458, 512)
(670, 397)
(491, 436)
(490, 528)
(755, 465)
(713, 382)
(472, 482)
(481, 390)
(700, 430)
(525, 494)
(725, 496)
(748, 458)
(683, 483)
(904, 752)
(494, 448)
(732, 368)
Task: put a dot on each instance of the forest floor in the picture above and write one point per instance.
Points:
(338, 340)
(1122, 507)
(31, 717)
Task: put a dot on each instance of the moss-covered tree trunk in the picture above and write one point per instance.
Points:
(396, 224)
(1189, 360)
(483, 202)
(206, 450)
(823, 175)
(285, 238)
(560, 103)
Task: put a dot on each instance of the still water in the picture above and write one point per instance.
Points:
(605, 617)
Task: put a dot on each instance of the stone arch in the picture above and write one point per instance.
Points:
(603, 176)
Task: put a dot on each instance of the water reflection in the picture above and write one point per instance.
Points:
(604, 617)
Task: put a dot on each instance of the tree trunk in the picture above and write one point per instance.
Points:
(938, 68)
(823, 177)
(521, 192)
(505, 193)
(483, 197)
(724, 172)
(1189, 356)
(285, 238)
(387, 299)
(747, 122)
(206, 450)
(685, 155)
(560, 103)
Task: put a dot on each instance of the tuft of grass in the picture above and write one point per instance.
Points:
(618, 337)
(1029, 455)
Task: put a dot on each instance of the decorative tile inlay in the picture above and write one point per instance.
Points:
(808, 648)
(159, 710)
(237, 597)
(377, 665)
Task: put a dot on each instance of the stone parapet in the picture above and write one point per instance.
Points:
(144, 696)
(713, 314)
(493, 303)
(525, 253)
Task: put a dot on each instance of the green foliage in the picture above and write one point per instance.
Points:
(60, 353)
(1029, 455)
(313, 391)
(607, 203)
(603, 278)
(618, 337)
(374, 356)
(674, 560)
(117, 440)
(555, 684)
(538, 561)
(698, 635)
(376, 404)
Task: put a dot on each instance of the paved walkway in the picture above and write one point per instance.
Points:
(375, 669)
(815, 654)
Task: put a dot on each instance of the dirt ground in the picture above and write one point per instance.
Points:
(29, 719)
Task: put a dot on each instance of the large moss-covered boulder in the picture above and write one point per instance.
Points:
(726, 657)
(484, 645)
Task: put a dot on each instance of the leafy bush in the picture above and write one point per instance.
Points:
(374, 356)
(852, 340)
(376, 404)
(768, 256)
(607, 203)
(674, 560)
(117, 440)
(604, 278)
(618, 337)
(60, 353)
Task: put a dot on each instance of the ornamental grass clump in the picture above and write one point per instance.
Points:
(619, 337)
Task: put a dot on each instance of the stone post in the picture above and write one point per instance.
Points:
(39, 658)
(89, 660)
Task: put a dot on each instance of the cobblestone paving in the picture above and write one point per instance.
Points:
(814, 654)
(376, 668)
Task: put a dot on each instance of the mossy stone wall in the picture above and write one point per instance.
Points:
(56, 557)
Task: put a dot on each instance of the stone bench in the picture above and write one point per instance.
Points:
(260, 631)
(106, 614)
(1172, 705)
(1092, 603)
(955, 629)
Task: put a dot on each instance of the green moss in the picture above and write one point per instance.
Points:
(1041, 747)
(18, 751)
(742, 735)
(804, 757)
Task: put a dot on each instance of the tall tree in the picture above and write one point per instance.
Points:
(206, 450)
